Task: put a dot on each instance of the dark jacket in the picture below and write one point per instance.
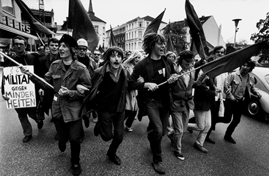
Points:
(90, 101)
(144, 69)
(45, 62)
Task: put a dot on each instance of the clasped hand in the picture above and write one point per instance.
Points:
(63, 91)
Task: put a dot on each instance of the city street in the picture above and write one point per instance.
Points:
(41, 155)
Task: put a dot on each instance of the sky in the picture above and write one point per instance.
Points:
(117, 12)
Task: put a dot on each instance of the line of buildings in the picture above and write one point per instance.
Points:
(129, 35)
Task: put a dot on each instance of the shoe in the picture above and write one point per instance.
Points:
(209, 140)
(179, 156)
(62, 146)
(200, 148)
(229, 139)
(170, 136)
(86, 122)
(95, 120)
(158, 168)
(27, 139)
(115, 159)
(96, 129)
(76, 169)
(40, 124)
(129, 129)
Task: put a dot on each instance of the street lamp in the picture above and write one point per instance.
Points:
(236, 21)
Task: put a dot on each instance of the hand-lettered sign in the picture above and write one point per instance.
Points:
(18, 88)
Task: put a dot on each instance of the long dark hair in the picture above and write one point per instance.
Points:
(150, 40)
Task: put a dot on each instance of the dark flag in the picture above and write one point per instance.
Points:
(80, 22)
(30, 17)
(112, 40)
(196, 30)
(231, 61)
(155, 24)
(170, 46)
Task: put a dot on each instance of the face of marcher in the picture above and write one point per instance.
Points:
(159, 48)
(47, 50)
(115, 60)
(19, 46)
(96, 57)
(53, 48)
(244, 69)
(136, 60)
(219, 53)
(82, 50)
(187, 64)
(64, 51)
(172, 57)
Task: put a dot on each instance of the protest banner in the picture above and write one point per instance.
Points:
(18, 88)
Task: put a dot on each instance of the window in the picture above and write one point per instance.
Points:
(140, 24)
(7, 6)
(139, 34)
(96, 29)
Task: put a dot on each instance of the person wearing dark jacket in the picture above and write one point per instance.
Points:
(154, 99)
(108, 97)
(65, 75)
(24, 58)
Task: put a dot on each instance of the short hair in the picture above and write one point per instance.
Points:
(250, 64)
(110, 50)
(150, 40)
(218, 48)
(20, 38)
(53, 40)
(184, 55)
(170, 53)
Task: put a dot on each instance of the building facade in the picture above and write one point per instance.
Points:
(129, 35)
(11, 24)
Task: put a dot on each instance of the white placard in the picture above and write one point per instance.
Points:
(19, 88)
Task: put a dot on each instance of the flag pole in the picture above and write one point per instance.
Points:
(40, 39)
(178, 76)
(17, 63)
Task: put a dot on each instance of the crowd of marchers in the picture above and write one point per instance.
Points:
(116, 87)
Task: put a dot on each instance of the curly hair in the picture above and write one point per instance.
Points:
(187, 54)
(150, 40)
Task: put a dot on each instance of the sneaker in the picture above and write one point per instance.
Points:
(209, 140)
(61, 146)
(158, 168)
(76, 169)
(200, 148)
(179, 156)
(27, 139)
(129, 129)
(115, 159)
(229, 139)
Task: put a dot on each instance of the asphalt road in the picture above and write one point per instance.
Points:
(41, 155)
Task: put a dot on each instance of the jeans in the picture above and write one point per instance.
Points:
(203, 124)
(106, 121)
(26, 125)
(180, 123)
(232, 109)
(158, 113)
(70, 131)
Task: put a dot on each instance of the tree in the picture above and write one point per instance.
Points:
(263, 34)
(177, 33)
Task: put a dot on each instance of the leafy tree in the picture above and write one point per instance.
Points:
(177, 33)
(263, 34)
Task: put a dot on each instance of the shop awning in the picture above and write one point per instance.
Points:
(16, 32)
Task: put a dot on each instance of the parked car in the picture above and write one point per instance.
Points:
(259, 108)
